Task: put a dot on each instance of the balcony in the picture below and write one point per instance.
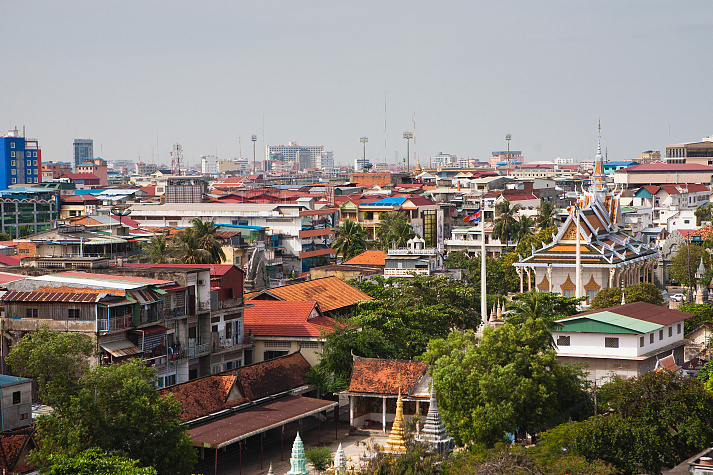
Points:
(232, 343)
(115, 323)
(405, 272)
(168, 313)
(203, 306)
(421, 252)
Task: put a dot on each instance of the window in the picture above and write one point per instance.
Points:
(24, 416)
(16, 397)
(73, 314)
(12, 144)
(611, 342)
(31, 313)
(35, 179)
(563, 340)
(12, 163)
(567, 292)
(660, 335)
(309, 344)
(14, 180)
(14, 172)
(12, 155)
(641, 342)
(34, 162)
(651, 338)
(34, 154)
(670, 331)
(590, 295)
(678, 330)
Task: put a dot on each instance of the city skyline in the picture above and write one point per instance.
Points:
(137, 78)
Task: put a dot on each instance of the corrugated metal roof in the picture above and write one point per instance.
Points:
(607, 322)
(14, 296)
(121, 348)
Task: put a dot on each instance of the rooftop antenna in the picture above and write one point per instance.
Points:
(176, 159)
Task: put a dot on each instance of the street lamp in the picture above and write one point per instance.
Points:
(254, 139)
(508, 137)
(408, 136)
(364, 140)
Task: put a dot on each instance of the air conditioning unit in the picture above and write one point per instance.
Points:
(201, 281)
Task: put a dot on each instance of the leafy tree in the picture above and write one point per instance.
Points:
(546, 215)
(319, 457)
(501, 277)
(643, 292)
(350, 239)
(542, 306)
(55, 360)
(159, 249)
(508, 381)
(703, 314)
(505, 224)
(395, 228)
(605, 298)
(656, 420)
(5, 237)
(114, 408)
(417, 460)
(703, 213)
(95, 462)
(685, 263)
(525, 226)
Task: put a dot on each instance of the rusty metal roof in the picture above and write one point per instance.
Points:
(256, 420)
(121, 348)
(73, 297)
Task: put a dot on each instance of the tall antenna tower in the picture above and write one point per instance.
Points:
(176, 159)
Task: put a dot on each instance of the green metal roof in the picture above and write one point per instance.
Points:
(606, 322)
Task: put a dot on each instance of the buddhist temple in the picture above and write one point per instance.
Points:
(340, 461)
(433, 432)
(397, 437)
(298, 462)
(591, 251)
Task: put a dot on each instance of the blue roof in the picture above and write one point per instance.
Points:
(395, 201)
(7, 380)
(241, 226)
(620, 164)
(87, 192)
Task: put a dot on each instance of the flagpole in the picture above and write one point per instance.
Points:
(578, 263)
(483, 287)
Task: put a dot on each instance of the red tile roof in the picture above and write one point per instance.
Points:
(12, 444)
(666, 167)
(203, 396)
(330, 293)
(273, 376)
(368, 258)
(644, 311)
(286, 318)
(9, 260)
(380, 376)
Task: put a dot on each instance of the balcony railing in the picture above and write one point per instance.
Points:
(405, 272)
(115, 323)
(167, 313)
(430, 251)
(203, 306)
(199, 350)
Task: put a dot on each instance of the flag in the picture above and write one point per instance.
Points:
(472, 218)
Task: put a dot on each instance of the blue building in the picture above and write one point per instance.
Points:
(20, 160)
(611, 167)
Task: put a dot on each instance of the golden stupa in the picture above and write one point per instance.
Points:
(418, 170)
(396, 442)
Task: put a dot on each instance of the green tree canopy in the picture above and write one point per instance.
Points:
(654, 421)
(703, 314)
(546, 215)
(505, 225)
(350, 239)
(56, 360)
(159, 249)
(95, 462)
(605, 298)
(643, 292)
(508, 381)
(394, 228)
(686, 261)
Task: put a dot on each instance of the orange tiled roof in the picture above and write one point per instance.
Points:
(286, 318)
(202, 396)
(12, 444)
(379, 376)
(368, 258)
(330, 293)
(705, 232)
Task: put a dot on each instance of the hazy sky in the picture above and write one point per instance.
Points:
(137, 76)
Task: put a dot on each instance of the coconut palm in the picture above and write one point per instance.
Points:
(205, 236)
(395, 228)
(188, 248)
(505, 226)
(350, 239)
(546, 214)
(159, 249)
(525, 226)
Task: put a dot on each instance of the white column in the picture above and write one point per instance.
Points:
(529, 279)
(383, 415)
(351, 411)
(549, 278)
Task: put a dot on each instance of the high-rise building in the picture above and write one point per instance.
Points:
(209, 165)
(305, 156)
(20, 160)
(83, 148)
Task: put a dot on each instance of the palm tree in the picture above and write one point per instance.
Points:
(159, 249)
(546, 215)
(187, 246)
(525, 226)
(505, 223)
(350, 239)
(396, 228)
(205, 236)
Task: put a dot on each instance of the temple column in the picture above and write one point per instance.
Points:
(519, 273)
(383, 414)
(529, 280)
(612, 273)
(351, 411)
(549, 277)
